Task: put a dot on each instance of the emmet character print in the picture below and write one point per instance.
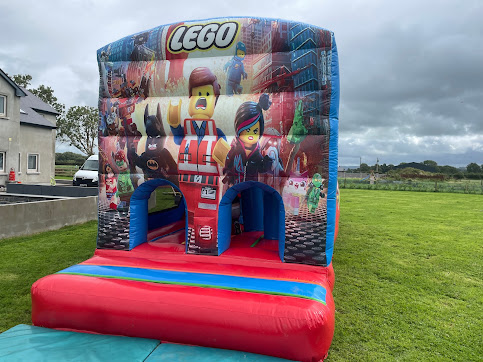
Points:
(202, 148)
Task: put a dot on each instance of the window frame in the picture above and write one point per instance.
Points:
(37, 169)
(4, 98)
(3, 164)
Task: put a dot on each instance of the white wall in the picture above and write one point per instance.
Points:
(9, 129)
(41, 141)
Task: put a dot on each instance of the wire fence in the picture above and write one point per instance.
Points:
(462, 187)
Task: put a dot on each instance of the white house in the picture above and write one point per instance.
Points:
(27, 134)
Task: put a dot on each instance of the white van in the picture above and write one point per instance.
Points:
(88, 173)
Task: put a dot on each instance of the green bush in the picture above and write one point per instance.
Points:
(69, 158)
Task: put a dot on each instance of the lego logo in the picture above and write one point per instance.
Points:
(202, 37)
(206, 232)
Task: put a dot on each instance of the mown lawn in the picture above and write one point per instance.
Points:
(23, 260)
(409, 275)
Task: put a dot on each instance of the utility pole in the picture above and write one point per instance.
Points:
(360, 165)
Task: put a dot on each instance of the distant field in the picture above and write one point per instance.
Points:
(460, 186)
(408, 267)
(65, 171)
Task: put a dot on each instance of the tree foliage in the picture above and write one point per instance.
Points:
(473, 168)
(22, 80)
(78, 127)
(69, 158)
(430, 163)
(364, 167)
(45, 93)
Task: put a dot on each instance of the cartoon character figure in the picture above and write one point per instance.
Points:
(111, 185)
(235, 70)
(296, 134)
(244, 161)
(295, 189)
(314, 192)
(270, 145)
(140, 51)
(155, 161)
(125, 187)
(202, 148)
(128, 135)
(105, 70)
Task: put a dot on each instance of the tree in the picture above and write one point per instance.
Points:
(22, 80)
(69, 158)
(473, 168)
(385, 168)
(45, 93)
(364, 167)
(430, 163)
(448, 170)
(78, 127)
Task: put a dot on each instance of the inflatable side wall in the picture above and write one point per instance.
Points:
(227, 112)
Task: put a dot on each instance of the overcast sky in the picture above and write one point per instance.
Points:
(411, 71)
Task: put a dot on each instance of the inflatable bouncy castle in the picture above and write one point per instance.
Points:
(217, 191)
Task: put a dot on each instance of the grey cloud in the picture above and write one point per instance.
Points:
(408, 69)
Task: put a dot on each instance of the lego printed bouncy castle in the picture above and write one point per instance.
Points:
(217, 191)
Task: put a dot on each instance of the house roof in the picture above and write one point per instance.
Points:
(30, 105)
(19, 92)
(34, 102)
(30, 117)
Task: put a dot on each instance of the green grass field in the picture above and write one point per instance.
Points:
(409, 277)
(449, 186)
(408, 266)
(66, 171)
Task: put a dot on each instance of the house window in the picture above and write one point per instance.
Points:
(33, 162)
(2, 161)
(3, 106)
(19, 171)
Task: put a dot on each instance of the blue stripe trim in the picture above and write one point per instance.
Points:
(269, 286)
(333, 153)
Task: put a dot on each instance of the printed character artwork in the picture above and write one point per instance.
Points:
(125, 187)
(244, 161)
(140, 51)
(202, 148)
(294, 190)
(155, 161)
(297, 133)
(235, 70)
(111, 186)
(129, 136)
(315, 192)
(271, 144)
(105, 70)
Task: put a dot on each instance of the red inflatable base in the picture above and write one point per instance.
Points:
(281, 310)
